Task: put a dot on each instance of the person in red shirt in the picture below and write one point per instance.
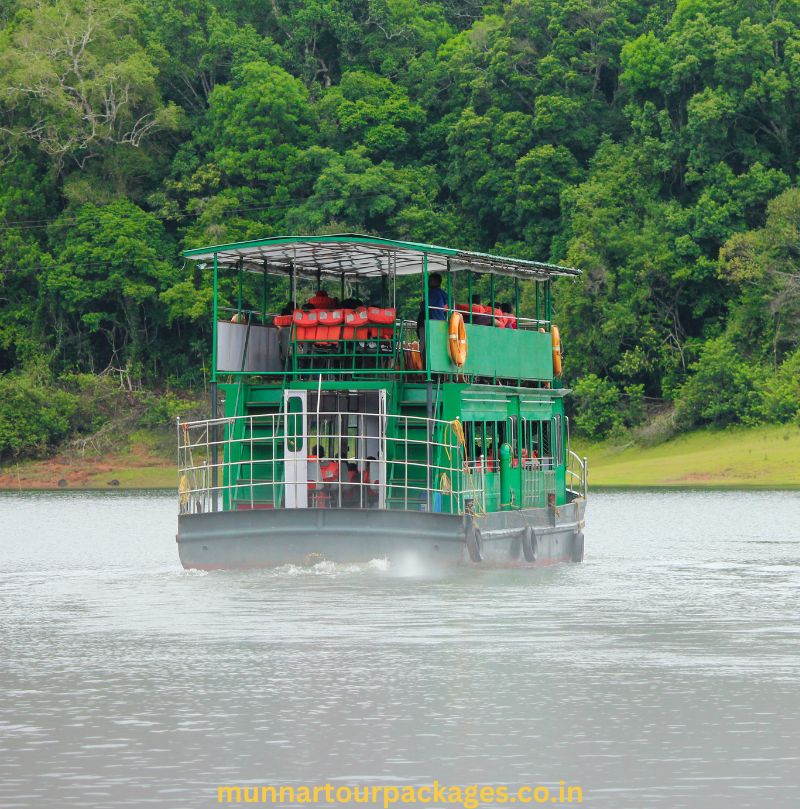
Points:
(511, 320)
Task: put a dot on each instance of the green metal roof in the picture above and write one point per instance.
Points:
(357, 255)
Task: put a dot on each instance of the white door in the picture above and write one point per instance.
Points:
(295, 448)
(373, 445)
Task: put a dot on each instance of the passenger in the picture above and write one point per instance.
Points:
(322, 300)
(478, 318)
(329, 472)
(511, 320)
(437, 304)
(350, 487)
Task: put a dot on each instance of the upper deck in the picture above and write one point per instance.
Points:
(362, 307)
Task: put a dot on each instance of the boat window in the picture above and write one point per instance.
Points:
(294, 426)
(558, 442)
(547, 443)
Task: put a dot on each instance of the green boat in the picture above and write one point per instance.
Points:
(382, 410)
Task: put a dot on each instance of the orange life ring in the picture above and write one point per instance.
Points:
(557, 364)
(457, 339)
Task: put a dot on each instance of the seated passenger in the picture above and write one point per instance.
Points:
(511, 320)
(479, 318)
(322, 300)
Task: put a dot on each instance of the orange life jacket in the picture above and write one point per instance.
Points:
(329, 470)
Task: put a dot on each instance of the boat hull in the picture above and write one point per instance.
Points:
(273, 537)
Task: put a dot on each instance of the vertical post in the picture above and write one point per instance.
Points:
(548, 302)
(427, 317)
(241, 290)
(264, 296)
(536, 287)
(516, 299)
(505, 477)
(214, 447)
(491, 294)
(341, 290)
(469, 294)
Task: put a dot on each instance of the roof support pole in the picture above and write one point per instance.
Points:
(241, 291)
(264, 296)
(548, 303)
(292, 285)
(536, 283)
(427, 316)
(213, 436)
(341, 290)
(491, 294)
(215, 304)
(469, 294)
(516, 298)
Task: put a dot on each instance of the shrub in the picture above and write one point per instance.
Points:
(33, 417)
(781, 392)
(598, 405)
(724, 389)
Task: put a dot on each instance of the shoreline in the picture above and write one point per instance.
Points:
(745, 459)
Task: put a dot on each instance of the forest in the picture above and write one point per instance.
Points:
(654, 145)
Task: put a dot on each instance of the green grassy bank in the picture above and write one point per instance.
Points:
(757, 457)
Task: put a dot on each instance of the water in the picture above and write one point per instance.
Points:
(661, 672)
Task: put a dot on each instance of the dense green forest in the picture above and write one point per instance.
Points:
(655, 145)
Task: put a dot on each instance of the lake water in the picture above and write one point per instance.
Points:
(662, 672)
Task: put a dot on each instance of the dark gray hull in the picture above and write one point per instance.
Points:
(269, 538)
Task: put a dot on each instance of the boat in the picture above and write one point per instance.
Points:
(394, 415)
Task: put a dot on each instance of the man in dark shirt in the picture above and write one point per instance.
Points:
(437, 303)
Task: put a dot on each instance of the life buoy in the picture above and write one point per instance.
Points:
(557, 364)
(457, 339)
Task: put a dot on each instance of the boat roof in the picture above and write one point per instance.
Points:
(354, 254)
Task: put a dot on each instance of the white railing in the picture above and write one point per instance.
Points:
(392, 462)
(577, 478)
(407, 463)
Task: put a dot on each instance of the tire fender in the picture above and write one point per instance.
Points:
(474, 543)
(530, 544)
(577, 547)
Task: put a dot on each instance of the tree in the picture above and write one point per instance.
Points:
(74, 78)
(102, 288)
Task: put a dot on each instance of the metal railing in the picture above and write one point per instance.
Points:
(577, 478)
(400, 462)
(339, 459)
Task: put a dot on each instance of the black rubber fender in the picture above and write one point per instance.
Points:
(474, 543)
(530, 544)
(577, 547)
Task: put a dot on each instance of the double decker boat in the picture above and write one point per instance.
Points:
(405, 419)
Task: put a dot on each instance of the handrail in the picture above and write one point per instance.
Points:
(413, 463)
(577, 474)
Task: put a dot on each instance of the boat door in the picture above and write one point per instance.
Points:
(372, 442)
(295, 449)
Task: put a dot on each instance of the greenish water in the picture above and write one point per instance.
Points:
(661, 672)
